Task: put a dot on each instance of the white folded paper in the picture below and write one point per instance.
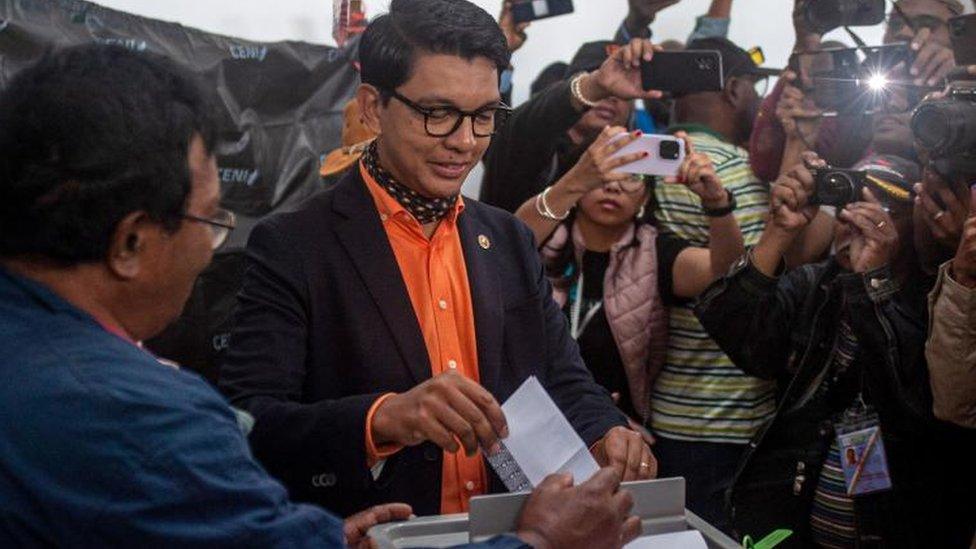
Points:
(541, 441)
(690, 539)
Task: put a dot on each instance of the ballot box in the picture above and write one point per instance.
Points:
(659, 503)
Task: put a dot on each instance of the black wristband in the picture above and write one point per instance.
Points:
(721, 212)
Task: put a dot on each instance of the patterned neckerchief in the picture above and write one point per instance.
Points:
(425, 210)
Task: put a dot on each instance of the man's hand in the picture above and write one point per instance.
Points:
(514, 32)
(594, 515)
(875, 239)
(443, 410)
(800, 117)
(641, 13)
(789, 213)
(789, 203)
(964, 264)
(620, 74)
(944, 224)
(596, 166)
(627, 453)
(357, 526)
(698, 174)
(933, 61)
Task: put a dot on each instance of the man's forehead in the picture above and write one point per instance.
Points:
(466, 83)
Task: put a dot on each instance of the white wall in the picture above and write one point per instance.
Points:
(764, 23)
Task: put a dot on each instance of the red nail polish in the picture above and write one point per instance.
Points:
(645, 154)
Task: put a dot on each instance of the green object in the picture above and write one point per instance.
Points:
(768, 542)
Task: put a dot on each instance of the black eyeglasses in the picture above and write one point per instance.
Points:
(220, 225)
(444, 121)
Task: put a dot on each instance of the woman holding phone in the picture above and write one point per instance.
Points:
(613, 272)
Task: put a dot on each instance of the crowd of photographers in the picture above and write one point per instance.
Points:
(787, 320)
(811, 264)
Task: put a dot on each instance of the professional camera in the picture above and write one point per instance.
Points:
(945, 127)
(826, 15)
(854, 80)
(837, 187)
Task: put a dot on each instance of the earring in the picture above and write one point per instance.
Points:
(641, 212)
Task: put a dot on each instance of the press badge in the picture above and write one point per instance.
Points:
(862, 451)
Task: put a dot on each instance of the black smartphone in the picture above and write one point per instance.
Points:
(962, 32)
(826, 15)
(524, 11)
(686, 71)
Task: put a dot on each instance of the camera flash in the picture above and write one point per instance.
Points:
(878, 82)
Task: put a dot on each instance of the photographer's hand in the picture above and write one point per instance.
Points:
(933, 61)
(945, 224)
(698, 174)
(964, 264)
(875, 239)
(800, 117)
(641, 14)
(620, 74)
(514, 32)
(789, 213)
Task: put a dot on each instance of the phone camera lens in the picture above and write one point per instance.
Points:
(669, 150)
(705, 63)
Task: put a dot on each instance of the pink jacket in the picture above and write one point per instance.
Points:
(635, 312)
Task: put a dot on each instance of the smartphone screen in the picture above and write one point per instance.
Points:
(524, 11)
(666, 153)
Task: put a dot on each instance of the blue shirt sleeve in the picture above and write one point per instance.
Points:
(194, 483)
(709, 27)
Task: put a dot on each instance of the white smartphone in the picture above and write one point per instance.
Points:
(666, 153)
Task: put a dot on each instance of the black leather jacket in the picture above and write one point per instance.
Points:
(786, 329)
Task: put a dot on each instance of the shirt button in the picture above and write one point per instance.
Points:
(469, 486)
(442, 304)
(452, 364)
(384, 217)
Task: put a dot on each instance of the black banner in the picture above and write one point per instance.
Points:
(280, 112)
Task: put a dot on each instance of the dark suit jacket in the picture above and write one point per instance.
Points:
(325, 327)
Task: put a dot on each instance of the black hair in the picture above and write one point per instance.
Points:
(89, 135)
(563, 269)
(389, 47)
(551, 75)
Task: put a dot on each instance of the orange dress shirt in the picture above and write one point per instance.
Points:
(437, 280)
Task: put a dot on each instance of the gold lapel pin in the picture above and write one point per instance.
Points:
(484, 242)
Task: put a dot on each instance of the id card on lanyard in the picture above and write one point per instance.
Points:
(862, 450)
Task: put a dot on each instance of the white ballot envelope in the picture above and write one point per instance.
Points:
(540, 442)
(689, 539)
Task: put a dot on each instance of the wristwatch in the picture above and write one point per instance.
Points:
(720, 212)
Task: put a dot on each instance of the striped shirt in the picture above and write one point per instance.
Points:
(700, 395)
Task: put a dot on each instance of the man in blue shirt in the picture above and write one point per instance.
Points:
(109, 209)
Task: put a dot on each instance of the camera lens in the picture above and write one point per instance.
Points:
(705, 63)
(946, 127)
(837, 189)
(669, 150)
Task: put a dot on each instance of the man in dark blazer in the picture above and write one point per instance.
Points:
(380, 324)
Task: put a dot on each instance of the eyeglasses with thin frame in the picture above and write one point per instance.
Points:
(443, 121)
(220, 224)
(634, 184)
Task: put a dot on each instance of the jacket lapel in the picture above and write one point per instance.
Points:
(364, 239)
(478, 244)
